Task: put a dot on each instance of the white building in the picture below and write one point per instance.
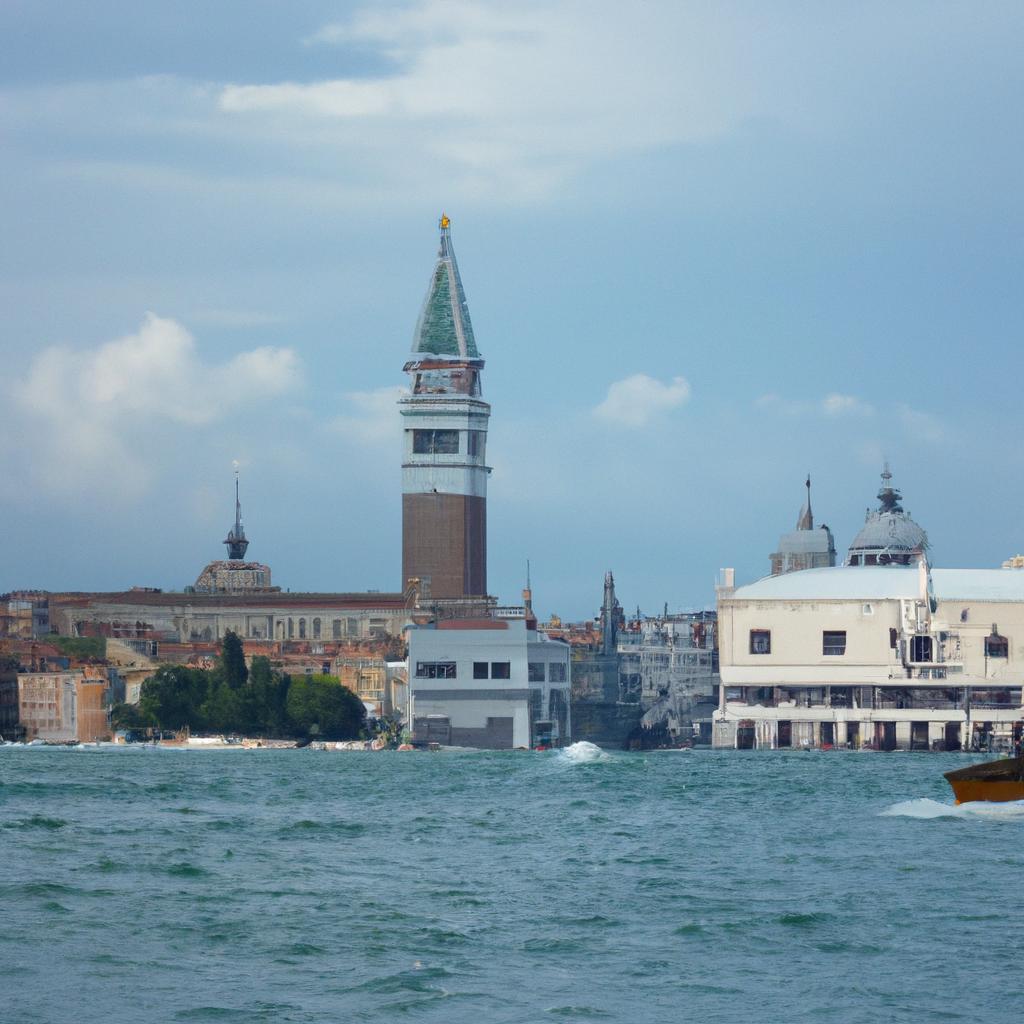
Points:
(496, 683)
(897, 657)
(883, 651)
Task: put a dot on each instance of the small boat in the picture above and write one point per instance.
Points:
(992, 780)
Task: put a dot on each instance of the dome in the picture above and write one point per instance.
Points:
(889, 536)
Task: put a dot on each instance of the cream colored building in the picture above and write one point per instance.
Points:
(893, 656)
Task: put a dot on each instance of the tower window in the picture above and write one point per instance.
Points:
(760, 641)
(476, 442)
(833, 641)
(435, 442)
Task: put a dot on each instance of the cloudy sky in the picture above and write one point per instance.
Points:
(708, 247)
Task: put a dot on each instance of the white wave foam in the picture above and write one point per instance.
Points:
(924, 808)
(584, 752)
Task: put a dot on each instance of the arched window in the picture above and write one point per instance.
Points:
(336, 629)
(291, 628)
(302, 629)
(316, 629)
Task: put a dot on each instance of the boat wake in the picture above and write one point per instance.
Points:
(923, 808)
(583, 752)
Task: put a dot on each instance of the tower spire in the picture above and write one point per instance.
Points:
(236, 542)
(806, 520)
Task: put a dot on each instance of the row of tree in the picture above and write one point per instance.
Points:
(232, 698)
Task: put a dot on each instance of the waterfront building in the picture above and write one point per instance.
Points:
(66, 706)
(884, 651)
(670, 662)
(805, 547)
(444, 470)
(496, 683)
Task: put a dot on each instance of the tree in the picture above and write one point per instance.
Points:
(263, 700)
(231, 664)
(320, 705)
(174, 696)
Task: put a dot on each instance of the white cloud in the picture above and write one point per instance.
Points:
(97, 417)
(845, 405)
(372, 416)
(636, 400)
(833, 404)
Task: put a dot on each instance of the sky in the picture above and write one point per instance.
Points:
(708, 248)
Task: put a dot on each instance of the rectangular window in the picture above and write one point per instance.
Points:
(476, 442)
(557, 671)
(501, 670)
(997, 646)
(535, 672)
(480, 670)
(435, 669)
(760, 641)
(833, 641)
(920, 648)
(435, 442)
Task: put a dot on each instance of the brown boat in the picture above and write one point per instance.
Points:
(992, 780)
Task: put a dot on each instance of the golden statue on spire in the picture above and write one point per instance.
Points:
(445, 222)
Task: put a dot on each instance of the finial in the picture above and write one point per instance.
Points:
(445, 222)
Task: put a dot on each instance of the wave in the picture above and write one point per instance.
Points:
(925, 809)
(583, 752)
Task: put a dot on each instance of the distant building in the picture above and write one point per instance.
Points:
(1017, 562)
(495, 683)
(24, 615)
(64, 706)
(444, 469)
(234, 575)
(671, 662)
(805, 547)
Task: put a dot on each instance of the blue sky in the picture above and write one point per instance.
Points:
(707, 249)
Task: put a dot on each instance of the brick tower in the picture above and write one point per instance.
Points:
(444, 473)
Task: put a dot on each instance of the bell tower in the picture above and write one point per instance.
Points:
(444, 419)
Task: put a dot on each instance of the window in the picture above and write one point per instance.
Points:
(302, 629)
(435, 669)
(535, 672)
(336, 629)
(476, 442)
(920, 648)
(833, 641)
(760, 641)
(480, 670)
(556, 672)
(352, 627)
(435, 442)
(316, 629)
(501, 670)
(996, 646)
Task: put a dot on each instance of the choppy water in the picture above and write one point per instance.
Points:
(697, 886)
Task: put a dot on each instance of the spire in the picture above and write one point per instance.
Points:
(236, 542)
(806, 520)
(444, 327)
(888, 495)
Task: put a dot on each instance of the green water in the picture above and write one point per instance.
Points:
(679, 886)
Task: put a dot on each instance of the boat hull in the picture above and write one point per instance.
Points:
(996, 781)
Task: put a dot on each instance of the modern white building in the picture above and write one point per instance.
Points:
(496, 683)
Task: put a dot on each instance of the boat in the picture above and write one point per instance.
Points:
(992, 780)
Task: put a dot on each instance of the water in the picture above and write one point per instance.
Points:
(168, 885)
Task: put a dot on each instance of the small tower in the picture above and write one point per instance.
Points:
(804, 547)
(444, 473)
(236, 542)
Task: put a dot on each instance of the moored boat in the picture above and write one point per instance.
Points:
(992, 780)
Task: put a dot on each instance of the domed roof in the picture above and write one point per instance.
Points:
(889, 536)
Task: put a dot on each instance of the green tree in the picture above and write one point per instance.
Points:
(231, 664)
(263, 701)
(222, 707)
(174, 696)
(320, 705)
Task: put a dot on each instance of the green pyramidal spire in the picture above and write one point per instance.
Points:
(444, 327)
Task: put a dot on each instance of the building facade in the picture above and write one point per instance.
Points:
(495, 683)
(444, 470)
